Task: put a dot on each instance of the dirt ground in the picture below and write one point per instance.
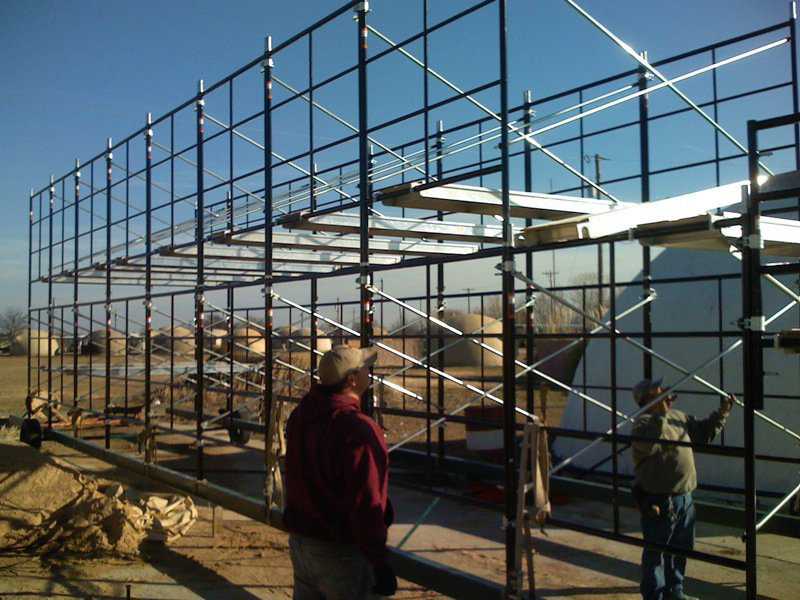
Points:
(238, 558)
(232, 557)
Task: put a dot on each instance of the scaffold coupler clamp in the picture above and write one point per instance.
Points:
(268, 62)
(754, 323)
(361, 7)
(754, 241)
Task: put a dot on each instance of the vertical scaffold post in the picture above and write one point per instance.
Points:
(425, 94)
(231, 324)
(107, 386)
(199, 294)
(612, 340)
(363, 192)
(267, 397)
(148, 279)
(30, 283)
(509, 382)
(313, 318)
(428, 431)
(50, 305)
(76, 259)
(127, 198)
(312, 167)
(795, 98)
(644, 164)
(440, 302)
(127, 352)
(527, 155)
(752, 367)
(171, 360)
(715, 100)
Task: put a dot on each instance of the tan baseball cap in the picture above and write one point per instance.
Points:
(340, 360)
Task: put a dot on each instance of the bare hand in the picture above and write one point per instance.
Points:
(726, 404)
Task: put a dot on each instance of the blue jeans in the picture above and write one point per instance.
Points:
(662, 573)
(329, 571)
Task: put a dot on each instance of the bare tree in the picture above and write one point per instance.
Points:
(13, 322)
(552, 316)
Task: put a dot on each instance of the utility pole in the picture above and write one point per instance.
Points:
(597, 160)
(551, 276)
(468, 290)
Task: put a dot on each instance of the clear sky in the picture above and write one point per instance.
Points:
(75, 73)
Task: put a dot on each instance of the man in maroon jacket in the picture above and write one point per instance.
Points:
(337, 477)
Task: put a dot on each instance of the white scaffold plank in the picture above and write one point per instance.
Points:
(486, 201)
(631, 216)
(223, 254)
(184, 275)
(347, 243)
(399, 227)
(781, 237)
(787, 181)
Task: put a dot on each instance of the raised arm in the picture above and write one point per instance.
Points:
(703, 431)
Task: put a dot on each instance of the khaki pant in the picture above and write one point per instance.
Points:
(329, 571)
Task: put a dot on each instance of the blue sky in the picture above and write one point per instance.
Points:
(78, 72)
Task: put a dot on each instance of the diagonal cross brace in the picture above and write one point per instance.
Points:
(403, 355)
(644, 63)
(533, 142)
(489, 348)
(519, 374)
(691, 375)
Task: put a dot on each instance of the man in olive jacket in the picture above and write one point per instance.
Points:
(664, 482)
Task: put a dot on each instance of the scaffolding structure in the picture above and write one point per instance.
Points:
(161, 266)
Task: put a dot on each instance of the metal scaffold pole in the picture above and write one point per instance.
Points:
(148, 283)
(795, 98)
(440, 441)
(644, 165)
(107, 344)
(199, 297)
(752, 359)
(52, 198)
(364, 199)
(509, 381)
(30, 284)
(267, 398)
(530, 353)
(75, 340)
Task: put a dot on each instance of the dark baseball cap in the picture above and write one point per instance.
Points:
(644, 387)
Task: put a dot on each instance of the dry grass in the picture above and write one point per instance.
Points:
(15, 382)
